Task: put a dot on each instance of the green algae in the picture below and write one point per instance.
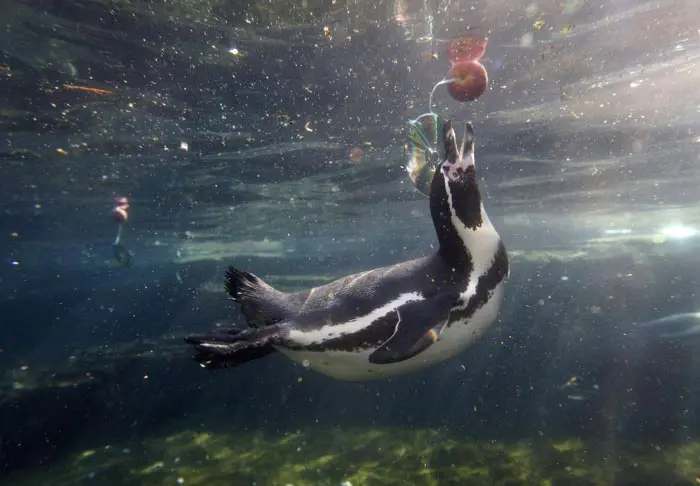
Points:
(359, 456)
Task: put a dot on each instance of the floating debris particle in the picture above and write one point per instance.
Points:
(73, 87)
(527, 40)
(357, 155)
(154, 467)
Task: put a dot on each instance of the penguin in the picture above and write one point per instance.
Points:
(391, 320)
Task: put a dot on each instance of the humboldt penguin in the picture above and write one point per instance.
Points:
(390, 320)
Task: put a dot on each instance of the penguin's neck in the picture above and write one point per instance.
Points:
(466, 237)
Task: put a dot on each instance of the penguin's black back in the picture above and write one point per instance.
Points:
(359, 294)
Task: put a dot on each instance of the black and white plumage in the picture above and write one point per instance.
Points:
(390, 320)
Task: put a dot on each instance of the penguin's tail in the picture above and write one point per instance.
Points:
(261, 304)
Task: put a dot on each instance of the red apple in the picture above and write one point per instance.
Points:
(468, 47)
(120, 214)
(470, 82)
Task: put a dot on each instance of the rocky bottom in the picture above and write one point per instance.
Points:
(362, 457)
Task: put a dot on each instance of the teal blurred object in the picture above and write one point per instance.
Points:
(423, 151)
(123, 255)
(676, 326)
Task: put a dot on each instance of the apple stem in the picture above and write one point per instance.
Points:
(439, 83)
(119, 234)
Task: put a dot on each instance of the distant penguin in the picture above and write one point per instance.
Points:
(387, 321)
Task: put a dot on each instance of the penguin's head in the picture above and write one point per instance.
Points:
(456, 193)
(458, 165)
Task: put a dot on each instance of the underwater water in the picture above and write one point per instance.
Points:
(271, 136)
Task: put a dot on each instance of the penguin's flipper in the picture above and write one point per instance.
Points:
(230, 347)
(419, 325)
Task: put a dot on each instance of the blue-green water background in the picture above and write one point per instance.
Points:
(588, 152)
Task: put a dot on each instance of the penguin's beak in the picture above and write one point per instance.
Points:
(458, 165)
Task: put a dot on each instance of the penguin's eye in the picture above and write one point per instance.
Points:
(457, 173)
(450, 171)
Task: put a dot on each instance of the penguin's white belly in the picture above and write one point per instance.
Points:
(355, 366)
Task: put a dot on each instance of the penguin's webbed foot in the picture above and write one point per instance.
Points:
(230, 347)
